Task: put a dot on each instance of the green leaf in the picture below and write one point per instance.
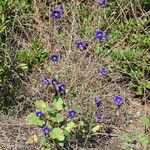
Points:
(70, 126)
(58, 103)
(145, 121)
(23, 66)
(45, 143)
(141, 135)
(81, 123)
(98, 49)
(96, 128)
(147, 84)
(48, 110)
(89, 30)
(61, 144)
(57, 77)
(67, 134)
(49, 69)
(58, 134)
(140, 89)
(126, 138)
(33, 119)
(40, 104)
(144, 142)
(78, 108)
(57, 117)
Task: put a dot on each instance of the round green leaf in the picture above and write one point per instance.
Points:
(145, 121)
(126, 138)
(58, 103)
(70, 126)
(144, 142)
(40, 104)
(33, 119)
(57, 77)
(81, 123)
(49, 69)
(147, 84)
(56, 117)
(58, 134)
(61, 144)
(96, 128)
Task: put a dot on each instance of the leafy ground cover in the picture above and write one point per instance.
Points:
(75, 74)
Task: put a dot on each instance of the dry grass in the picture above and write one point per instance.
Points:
(78, 70)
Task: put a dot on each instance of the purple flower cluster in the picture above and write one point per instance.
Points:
(54, 82)
(118, 100)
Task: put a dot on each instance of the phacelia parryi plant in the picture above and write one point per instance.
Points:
(57, 122)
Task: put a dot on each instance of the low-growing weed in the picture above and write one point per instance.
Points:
(138, 140)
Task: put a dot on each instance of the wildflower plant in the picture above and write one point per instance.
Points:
(52, 124)
(57, 121)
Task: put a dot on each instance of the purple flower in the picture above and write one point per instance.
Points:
(61, 88)
(102, 2)
(99, 117)
(45, 81)
(56, 14)
(46, 130)
(99, 34)
(104, 72)
(82, 45)
(54, 81)
(61, 8)
(86, 45)
(71, 113)
(39, 114)
(99, 102)
(54, 58)
(97, 70)
(118, 100)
